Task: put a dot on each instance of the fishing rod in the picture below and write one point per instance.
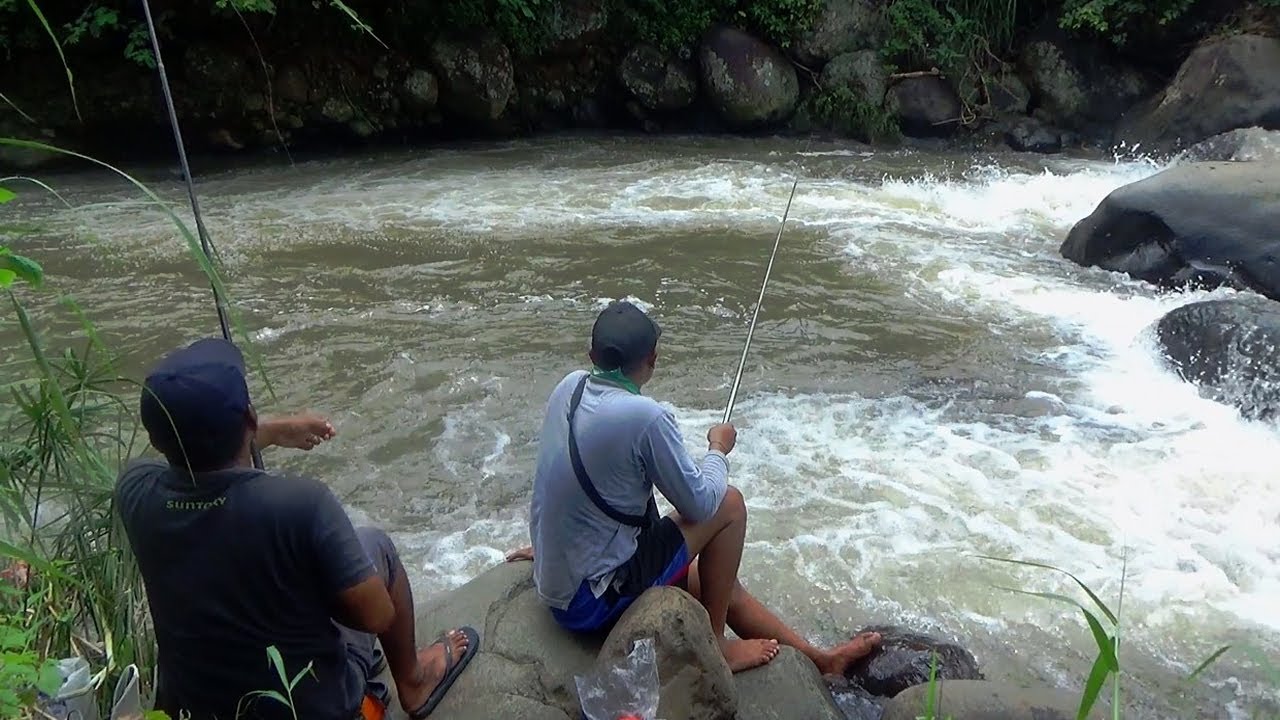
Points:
(742, 364)
(206, 244)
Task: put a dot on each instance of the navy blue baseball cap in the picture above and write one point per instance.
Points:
(622, 336)
(201, 392)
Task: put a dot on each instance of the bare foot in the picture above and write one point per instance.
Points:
(431, 670)
(746, 654)
(838, 659)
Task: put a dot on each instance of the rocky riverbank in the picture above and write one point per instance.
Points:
(528, 667)
(247, 82)
(1208, 222)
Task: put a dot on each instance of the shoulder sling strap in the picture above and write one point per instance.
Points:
(638, 521)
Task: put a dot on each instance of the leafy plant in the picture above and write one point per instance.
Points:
(23, 673)
(843, 111)
(1107, 664)
(275, 660)
(1116, 19)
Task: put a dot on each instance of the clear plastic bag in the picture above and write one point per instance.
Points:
(126, 703)
(624, 689)
(75, 699)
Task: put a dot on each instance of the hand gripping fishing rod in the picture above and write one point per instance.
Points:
(742, 364)
(206, 245)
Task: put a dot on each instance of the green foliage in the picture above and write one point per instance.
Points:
(1116, 19)
(672, 24)
(959, 37)
(275, 660)
(23, 673)
(782, 20)
(843, 111)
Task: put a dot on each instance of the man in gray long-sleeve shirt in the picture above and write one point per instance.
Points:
(598, 541)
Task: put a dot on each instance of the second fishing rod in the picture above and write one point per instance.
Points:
(206, 245)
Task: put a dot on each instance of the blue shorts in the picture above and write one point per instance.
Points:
(661, 558)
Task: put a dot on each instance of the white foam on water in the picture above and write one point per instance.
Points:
(1129, 467)
(882, 500)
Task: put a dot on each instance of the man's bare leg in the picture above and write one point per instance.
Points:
(718, 545)
(748, 618)
(416, 672)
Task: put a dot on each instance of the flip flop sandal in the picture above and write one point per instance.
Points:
(451, 674)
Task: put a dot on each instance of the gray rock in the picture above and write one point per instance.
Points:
(660, 82)
(696, 682)
(291, 85)
(571, 24)
(1077, 83)
(1242, 145)
(526, 662)
(1227, 348)
(1199, 224)
(750, 83)
(1223, 85)
(420, 90)
(842, 27)
(1031, 135)
(338, 111)
(904, 658)
(788, 687)
(862, 73)
(1006, 93)
(925, 106)
(980, 700)
(476, 76)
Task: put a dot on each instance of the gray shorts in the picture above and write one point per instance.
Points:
(362, 652)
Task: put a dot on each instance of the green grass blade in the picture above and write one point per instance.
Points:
(6, 195)
(1104, 642)
(16, 109)
(193, 245)
(1093, 687)
(274, 659)
(71, 83)
(1207, 662)
(360, 23)
(1096, 600)
(34, 181)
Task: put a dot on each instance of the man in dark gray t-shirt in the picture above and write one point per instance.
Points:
(236, 560)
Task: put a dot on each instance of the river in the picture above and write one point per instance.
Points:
(929, 380)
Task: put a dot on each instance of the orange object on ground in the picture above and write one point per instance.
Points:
(372, 709)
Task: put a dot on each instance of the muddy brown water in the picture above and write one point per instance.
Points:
(929, 380)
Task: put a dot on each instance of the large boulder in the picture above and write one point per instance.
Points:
(572, 24)
(788, 687)
(695, 680)
(842, 26)
(750, 83)
(862, 73)
(1223, 85)
(980, 700)
(1227, 348)
(1078, 84)
(526, 664)
(1199, 224)
(475, 74)
(904, 659)
(1242, 145)
(925, 106)
(1031, 135)
(658, 81)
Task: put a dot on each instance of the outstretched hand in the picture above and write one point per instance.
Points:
(303, 431)
(524, 553)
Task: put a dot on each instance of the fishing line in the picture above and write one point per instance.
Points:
(742, 364)
(206, 245)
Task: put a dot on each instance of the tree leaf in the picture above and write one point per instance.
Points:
(6, 195)
(23, 267)
(6, 278)
(50, 680)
